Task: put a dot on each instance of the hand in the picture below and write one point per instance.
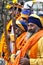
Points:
(24, 61)
(12, 58)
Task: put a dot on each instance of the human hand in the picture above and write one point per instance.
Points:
(24, 61)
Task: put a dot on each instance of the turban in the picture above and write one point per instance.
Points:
(22, 25)
(35, 19)
(25, 13)
(41, 16)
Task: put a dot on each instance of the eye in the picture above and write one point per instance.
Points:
(31, 25)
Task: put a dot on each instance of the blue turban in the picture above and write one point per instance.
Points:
(35, 21)
(26, 11)
(22, 25)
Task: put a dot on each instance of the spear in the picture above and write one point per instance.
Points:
(14, 24)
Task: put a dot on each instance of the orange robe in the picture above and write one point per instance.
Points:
(20, 40)
(28, 45)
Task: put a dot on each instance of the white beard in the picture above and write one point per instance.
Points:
(28, 36)
(11, 46)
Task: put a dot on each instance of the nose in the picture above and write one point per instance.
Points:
(16, 30)
(29, 27)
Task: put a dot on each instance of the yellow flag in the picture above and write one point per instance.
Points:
(34, 0)
(14, 1)
(8, 6)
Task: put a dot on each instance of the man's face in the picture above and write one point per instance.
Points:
(18, 31)
(33, 28)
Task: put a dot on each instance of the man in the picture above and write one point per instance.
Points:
(34, 46)
(36, 52)
(22, 34)
(19, 29)
(25, 13)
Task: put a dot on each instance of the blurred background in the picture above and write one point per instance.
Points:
(37, 8)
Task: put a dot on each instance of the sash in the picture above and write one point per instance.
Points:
(20, 40)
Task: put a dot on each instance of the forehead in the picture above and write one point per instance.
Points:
(31, 24)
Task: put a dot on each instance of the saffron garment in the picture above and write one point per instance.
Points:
(35, 53)
(3, 47)
(21, 40)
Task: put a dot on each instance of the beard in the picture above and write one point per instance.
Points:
(29, 34)
(18, 34)
(33, 31)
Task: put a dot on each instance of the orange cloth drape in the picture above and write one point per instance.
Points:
(27, 46)
(19, 40)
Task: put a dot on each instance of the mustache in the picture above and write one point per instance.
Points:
(18, 34)
(34, 31)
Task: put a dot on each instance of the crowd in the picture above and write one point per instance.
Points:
(26, 44)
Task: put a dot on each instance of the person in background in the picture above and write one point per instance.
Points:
(25, 14)
(20, 29)
(26, 11)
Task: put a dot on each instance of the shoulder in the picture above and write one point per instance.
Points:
(41, 39)
(40, 42)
